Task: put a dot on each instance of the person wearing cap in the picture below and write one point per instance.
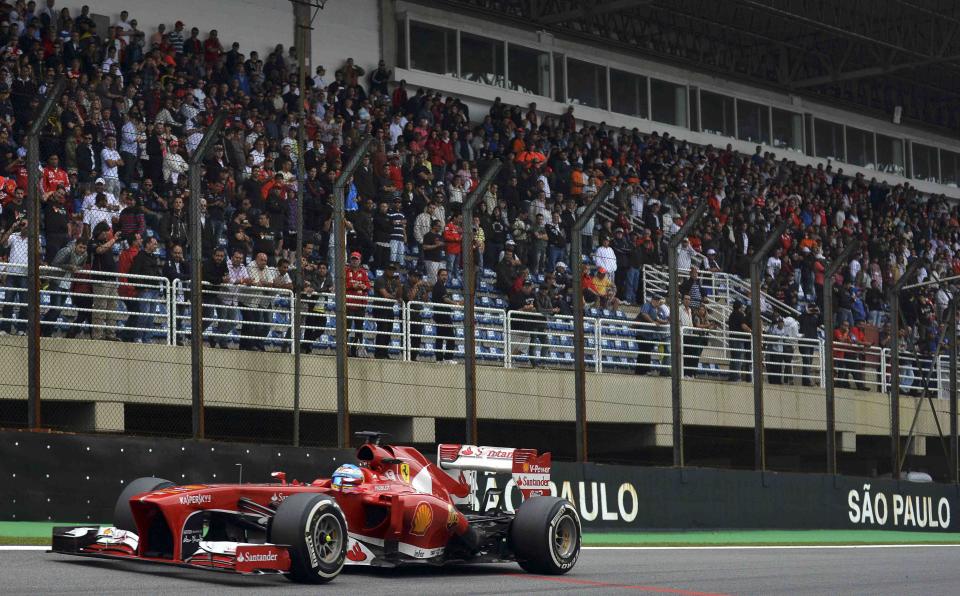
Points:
(358, 287)
(174, 166)
(712, 265)
(605, 258)
(650, 336)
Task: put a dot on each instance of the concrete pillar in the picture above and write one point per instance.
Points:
(107, 417)
(423, 430)
(656, 435)
(848, 442)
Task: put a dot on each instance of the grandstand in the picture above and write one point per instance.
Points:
(573, 99)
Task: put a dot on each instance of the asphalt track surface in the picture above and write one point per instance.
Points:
(680, 572)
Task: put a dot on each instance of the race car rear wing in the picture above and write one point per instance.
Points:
(531, 471)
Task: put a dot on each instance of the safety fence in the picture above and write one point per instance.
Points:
(90, 304)
(144, 309)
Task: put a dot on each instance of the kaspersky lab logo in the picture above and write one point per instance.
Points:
(255, 558)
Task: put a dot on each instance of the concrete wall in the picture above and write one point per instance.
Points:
(123, 373)
(342, 29)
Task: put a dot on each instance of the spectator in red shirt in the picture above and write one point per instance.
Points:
(54, 176)
(358, 288)
(212, 48)
(452, 234)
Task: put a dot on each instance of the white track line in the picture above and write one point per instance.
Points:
(774, 547)
(725, 547)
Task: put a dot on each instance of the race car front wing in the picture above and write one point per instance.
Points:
(114, 543)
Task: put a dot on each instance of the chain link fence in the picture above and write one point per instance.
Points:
(406, 374)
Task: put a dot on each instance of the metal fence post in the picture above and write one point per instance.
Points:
(470, 299)
(33, 253)
(340, 265)
(828, 326)
(894, 300)
(196, 273)
(676, 348)
(579, 353)
(756, 327)
(954, 355)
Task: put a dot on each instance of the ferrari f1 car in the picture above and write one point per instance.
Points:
(394, 507)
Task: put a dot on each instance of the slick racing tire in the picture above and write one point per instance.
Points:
(122, 516)
(315, 532)
(545, 535)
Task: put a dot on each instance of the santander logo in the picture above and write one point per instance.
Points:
(356, 553)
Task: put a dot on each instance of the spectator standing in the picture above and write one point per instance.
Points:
(605, 258)
(432, 249)
(69, 259)
(390, 292)
(103, 319)
(739, 325)
(452, 236)
(650, 336)
(146, 263)
(15, 239)
(257, 302)
(415, 292)
(445, 347)
(233, 296)
(358, 288)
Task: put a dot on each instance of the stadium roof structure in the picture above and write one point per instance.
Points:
(867, 55)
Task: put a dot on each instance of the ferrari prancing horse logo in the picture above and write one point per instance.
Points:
(405, 473)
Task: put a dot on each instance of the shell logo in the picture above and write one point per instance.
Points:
(452, 519)
(422, 518)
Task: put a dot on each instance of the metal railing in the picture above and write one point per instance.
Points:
(249, 317)
(721, 289)
(103, 305)
(151, 309)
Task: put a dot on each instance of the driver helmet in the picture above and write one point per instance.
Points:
(347, 475)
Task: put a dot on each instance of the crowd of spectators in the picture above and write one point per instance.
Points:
(115, 158)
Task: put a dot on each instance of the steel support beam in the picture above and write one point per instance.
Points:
(196, 274)
(676, 351)
(470, 301)
(302, 30)
(340, 266)
(34, 192)
(579, 352)
(756, 327)
(954, 357)
(828, 363)
(893, 299)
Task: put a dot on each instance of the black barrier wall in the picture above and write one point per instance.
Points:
(76, 478)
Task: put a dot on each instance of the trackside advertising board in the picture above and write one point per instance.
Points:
(623, 498)
(78, 478)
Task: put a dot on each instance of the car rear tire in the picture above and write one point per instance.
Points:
(545, 535)
(313, 528)
(122, 515)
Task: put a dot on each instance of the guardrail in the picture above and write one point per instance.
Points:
(152, 309)
(102, 305)
(249, 317)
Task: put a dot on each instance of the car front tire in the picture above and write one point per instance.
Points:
(313, 528)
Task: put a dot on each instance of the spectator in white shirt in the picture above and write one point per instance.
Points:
(100, 187)
(605, 257)
(111, 160)
(15, 239)
(774, 264)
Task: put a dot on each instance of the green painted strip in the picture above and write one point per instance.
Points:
(755, 537)
(20, 532)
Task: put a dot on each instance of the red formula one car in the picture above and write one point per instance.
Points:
(392, 508)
